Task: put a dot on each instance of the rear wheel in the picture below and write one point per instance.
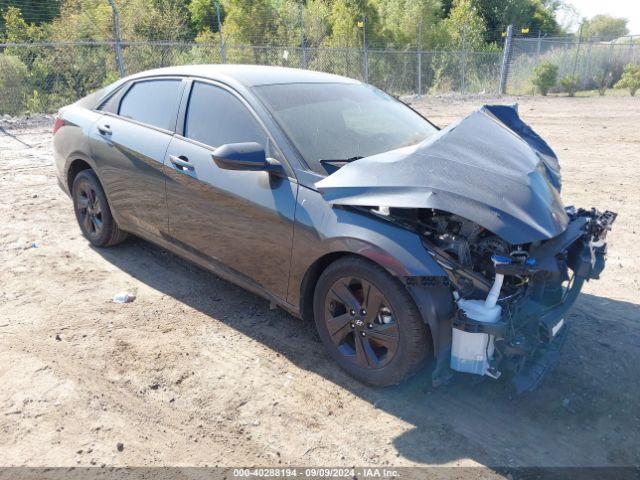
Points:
(92, 211)
(368, 322)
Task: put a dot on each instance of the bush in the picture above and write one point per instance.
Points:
(570, 84)
(545, 76)
(13, 84)
(603, 80)
(630, 78)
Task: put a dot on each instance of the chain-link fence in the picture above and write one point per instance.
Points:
(40, 73)
(39, 77)
(594, 63)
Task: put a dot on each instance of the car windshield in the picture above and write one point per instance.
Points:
(332, 123)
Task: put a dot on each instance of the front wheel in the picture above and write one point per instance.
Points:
(368, 322)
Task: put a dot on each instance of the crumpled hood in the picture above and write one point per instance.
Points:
(489, 167)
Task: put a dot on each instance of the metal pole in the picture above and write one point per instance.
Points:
(504, 68)
(586, 77)
(365, 59)
(539, 44)
(575, 63)
(464, 57)
(419, 53)
(223, 56)
(303, 42)
(116, 35)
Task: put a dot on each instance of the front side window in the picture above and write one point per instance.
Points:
(216, 117)
(340, 121)
(154, 102)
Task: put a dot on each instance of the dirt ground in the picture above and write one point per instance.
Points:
(198, 372)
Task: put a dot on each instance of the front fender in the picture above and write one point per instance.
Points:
(322, 230)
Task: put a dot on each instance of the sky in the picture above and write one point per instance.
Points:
(629, 9)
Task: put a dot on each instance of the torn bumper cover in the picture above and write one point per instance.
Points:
(533, 325)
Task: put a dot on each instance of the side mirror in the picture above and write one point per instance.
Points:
(248, 156)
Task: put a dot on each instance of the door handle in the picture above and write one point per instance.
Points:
(104, 129)
(181, 162)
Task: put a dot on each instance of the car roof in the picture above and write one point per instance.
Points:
(249, 75)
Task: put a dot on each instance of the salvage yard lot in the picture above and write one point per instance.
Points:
(197, 371)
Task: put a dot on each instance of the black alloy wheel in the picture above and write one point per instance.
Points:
(93, 212)
(89, 210)
(368, 322)
(360, 322)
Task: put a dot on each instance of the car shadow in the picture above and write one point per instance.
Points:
(568, 421)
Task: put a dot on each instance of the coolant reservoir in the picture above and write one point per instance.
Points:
(471, 351)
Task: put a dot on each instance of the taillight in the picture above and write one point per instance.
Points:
(57, 123)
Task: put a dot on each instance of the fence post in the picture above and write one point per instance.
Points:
(586, 77)
(116, 38)
(539, 45)
(223, 56)
(303, 41)
(365, 59)
(419, 53)
(506, 57)
(464, 57)
(575, 62)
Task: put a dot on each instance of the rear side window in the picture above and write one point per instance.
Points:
(216, 117)
(153, 102)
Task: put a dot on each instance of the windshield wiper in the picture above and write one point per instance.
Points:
(340, 160)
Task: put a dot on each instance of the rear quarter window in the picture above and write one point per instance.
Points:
(154, 102)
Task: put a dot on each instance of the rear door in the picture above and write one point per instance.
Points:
(129, 144)
(236, 220)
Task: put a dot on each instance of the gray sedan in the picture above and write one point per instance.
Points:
(342, 205)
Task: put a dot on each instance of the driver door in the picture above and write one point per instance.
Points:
(235, 220)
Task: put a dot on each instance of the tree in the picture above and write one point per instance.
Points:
(534, 14)
(630, 78)
(35, 12)
(17, 30)
(250, 22)
(606, 27)
(344, 19)
(204, 15)
(402, 22)
(465, 26)
(316, 22)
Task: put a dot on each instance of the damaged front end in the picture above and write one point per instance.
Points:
(512, 300)
(484, 197)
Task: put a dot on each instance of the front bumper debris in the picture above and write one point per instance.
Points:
(534, 325)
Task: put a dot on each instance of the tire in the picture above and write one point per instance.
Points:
(93, 212)
(394, 330)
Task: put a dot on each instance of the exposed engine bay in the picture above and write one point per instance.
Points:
(511, 299)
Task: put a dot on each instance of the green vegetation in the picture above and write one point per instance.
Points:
(13, 75)
(605, 27)
(603, 80)
(266, 32)
(570, 84)
(545, 77)
(630, 78)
